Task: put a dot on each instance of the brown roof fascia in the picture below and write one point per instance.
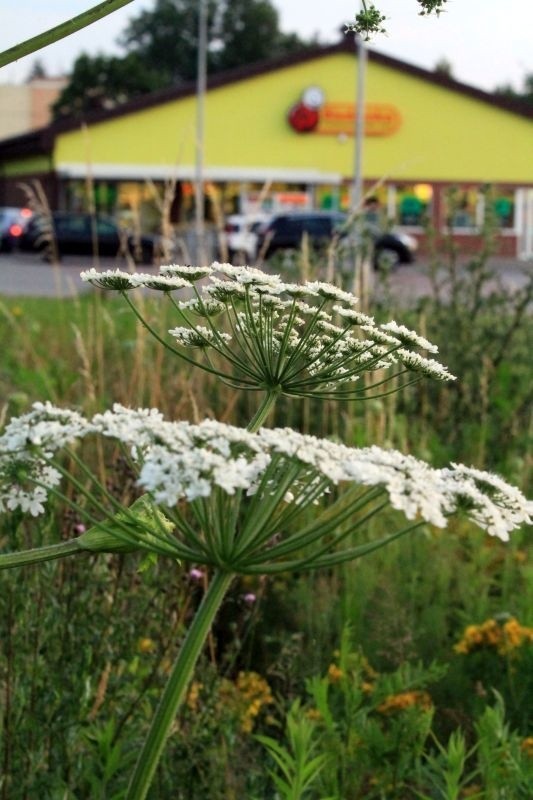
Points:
(37, 142)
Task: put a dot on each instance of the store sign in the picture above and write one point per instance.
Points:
(313, 114)
(274, 202)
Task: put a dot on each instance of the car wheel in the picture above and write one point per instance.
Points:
(385, 258)
(145, 256)
(239, 258)
(148, 255)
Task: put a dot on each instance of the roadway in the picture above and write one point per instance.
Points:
(23, 274)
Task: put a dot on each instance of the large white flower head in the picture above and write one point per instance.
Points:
(26, 445)
(241, 488)
(261, 333)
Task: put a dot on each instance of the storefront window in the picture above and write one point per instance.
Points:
(76, 196)
(413, 204)
(137, 205)
(464, 208)
(328, 198)
(503, 206)
(468, 209)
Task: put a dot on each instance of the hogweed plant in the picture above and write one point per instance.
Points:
(253, 501)
(257, 333)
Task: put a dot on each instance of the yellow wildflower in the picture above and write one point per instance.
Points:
(515, 635)
(369, 671)
(193, 696)
(474, 790)
(245, 698)
(146, 645)
(503, 637)
(491, 633)
(399, 702)
(527, 746)
(335, 673)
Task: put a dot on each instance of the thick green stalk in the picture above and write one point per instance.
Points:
(263, 411)
(177, 685)
(60, 31)
(48, 553)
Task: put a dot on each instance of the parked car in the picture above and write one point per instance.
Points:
(286, 232)
(238, 240)
(13, 223)
(76, 234)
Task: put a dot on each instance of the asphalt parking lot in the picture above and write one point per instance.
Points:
(23, 274)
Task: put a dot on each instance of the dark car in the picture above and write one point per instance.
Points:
(13, 223)
(84, 234)
(286, 232)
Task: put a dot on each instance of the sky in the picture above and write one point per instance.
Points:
(488, 43)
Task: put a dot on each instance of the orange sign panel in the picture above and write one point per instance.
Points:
(381, 119)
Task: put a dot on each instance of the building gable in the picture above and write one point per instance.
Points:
(444, 134)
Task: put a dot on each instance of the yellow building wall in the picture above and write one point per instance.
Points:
(444, 135)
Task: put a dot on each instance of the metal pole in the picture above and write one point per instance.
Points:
(359, 123)
(199, 228)
(361, 264)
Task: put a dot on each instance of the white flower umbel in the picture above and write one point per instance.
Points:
(115, 279)
(301, 340)
(237, 501)
(242, 488)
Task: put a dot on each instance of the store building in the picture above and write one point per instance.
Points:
(280, 135)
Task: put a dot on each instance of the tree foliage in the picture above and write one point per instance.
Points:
(161, 46)
(525, 94)
(100, 81)
(370, 21)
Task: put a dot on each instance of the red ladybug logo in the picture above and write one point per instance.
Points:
(302, 118)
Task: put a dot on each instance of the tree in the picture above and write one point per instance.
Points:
(248, 31)
(525, 94)
(162, 46)
(444, 67)
(103, 82)
(370, 21)
(37, 71)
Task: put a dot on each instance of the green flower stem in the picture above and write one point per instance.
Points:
(177, 685)
(330, 560)
(305, 342)
(217, 343)
(263, 411)
(246, 342)
(167, 346)
(60, 31)
(311, 533)
(48, 553)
